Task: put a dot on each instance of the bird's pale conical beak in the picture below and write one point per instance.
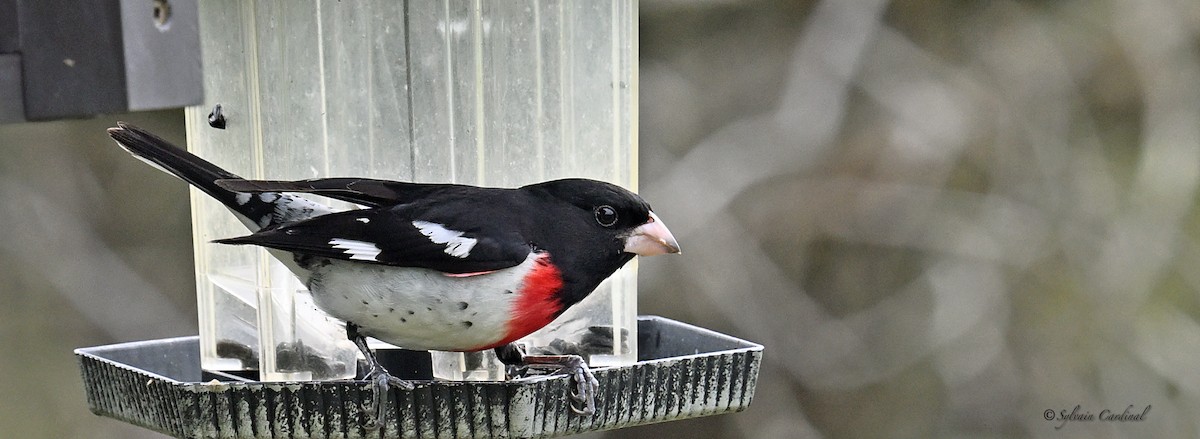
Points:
(651, 238)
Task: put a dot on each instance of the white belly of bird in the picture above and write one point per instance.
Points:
(444, 313)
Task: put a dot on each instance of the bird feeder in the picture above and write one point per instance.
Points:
(495, 93)
(473, 92)
(681, 372)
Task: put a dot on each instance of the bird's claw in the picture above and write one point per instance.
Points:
(583, 394)
(382, 382)
(586, 388)
(399, 383)
(582, 397)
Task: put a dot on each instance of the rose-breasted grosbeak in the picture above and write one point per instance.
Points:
(435, 266)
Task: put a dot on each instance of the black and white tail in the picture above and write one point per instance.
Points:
(255, 210)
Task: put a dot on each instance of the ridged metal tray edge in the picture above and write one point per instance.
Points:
(684, 372)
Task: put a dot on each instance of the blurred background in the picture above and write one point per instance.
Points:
(942, 218)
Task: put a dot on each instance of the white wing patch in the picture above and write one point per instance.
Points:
(363, 251)
(456, 244)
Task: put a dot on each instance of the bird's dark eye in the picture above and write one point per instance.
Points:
(606, 215)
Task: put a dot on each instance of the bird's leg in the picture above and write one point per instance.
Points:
(513, 358)
(586, 385)
(377, 375)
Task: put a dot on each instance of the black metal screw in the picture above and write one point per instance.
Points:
(162, 14)
(216, 119)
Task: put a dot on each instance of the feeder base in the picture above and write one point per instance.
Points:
(682, 372)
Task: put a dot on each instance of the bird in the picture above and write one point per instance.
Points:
(434, 266)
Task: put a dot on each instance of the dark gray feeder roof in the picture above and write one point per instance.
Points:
(683, 372)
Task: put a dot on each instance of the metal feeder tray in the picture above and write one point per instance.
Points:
(682, 372)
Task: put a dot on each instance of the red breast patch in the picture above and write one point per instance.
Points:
(537, 302)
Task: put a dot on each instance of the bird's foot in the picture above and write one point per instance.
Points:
(583, 398)
(381, 383)
(381, 380)
(586, 386)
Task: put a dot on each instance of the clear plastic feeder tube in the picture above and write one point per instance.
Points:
(496, 93)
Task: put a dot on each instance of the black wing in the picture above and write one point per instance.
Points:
(364, 191)
(396, 236)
